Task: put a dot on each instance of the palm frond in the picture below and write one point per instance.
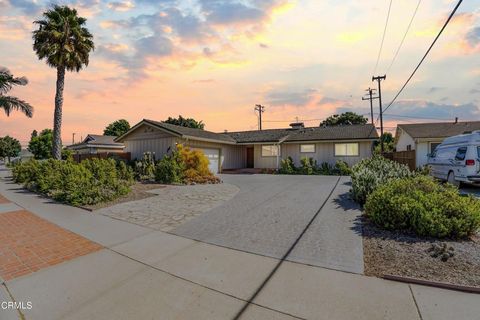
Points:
(7, 80)
(62, 39)
(8, 104)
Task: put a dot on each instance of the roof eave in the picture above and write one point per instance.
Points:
(188, 137)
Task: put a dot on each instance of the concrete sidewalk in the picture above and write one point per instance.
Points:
(145, 274)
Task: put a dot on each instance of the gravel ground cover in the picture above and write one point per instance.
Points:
(396, 253)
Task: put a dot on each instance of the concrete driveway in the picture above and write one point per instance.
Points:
(271, 211)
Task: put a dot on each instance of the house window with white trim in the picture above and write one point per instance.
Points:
(346, 150)
(270, 151)
(307, 148)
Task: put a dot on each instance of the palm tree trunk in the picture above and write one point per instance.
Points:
(57, 117)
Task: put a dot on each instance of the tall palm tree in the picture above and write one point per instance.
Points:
(64, 41)
(8, 103)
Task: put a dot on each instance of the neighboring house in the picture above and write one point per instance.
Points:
(95, 143)
(425, 137)
(254, 149)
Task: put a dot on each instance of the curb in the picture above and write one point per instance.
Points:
(441, 285)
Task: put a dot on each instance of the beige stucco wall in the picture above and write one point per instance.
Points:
(324, 152)
(403, 140)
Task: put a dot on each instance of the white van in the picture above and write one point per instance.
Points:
(457, 159)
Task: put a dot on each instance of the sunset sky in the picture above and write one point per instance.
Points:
(213, 60)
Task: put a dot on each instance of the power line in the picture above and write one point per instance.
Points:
(383, 38)
(404, 36)
(304, 120)
(425, 55)
(413, 117)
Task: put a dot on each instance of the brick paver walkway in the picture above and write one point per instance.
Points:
(3, 199)
(29, 243)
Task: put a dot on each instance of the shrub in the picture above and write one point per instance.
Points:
(307, 166)
(195, 165)
(342, 168)
(145, 168)
(370, 173)
(89, 182)
(287, 166)
(421, 205)
(169, 169)
(325, 168)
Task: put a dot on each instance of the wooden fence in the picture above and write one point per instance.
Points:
(125, 156)
(405, 157)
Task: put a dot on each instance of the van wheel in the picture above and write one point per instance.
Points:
(451, 179)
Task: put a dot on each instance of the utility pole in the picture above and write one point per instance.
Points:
(370, 97)
(260, 109)
(73, 138)
(379, 79)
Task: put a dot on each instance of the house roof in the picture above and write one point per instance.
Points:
(350, 132)
(186, 132)
(346, 132)
(269, 135)
(97, 140)
(439, 129)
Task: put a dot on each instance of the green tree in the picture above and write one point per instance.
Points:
(9, 147)
(41, 145)
(388, 143)
(65, 43)
(345, 118)
(117, 128)
(186, 122)
(9, 103)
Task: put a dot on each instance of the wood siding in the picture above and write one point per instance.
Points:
(231, 156)
(324, 152)
(148, 139)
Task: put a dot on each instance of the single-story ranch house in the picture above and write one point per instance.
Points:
(425, 137)
(254, 149)
(95, 143)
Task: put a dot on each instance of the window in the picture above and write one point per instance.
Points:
(307, 148)
(409, 147)
(269, 151)
(461, 152)
(433, 146)
(346, 149)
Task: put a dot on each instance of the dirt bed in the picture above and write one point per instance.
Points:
(395, 253)
(139, 192)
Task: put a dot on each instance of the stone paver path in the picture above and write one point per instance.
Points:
(172, 206)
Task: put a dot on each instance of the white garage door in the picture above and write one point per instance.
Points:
(213, 156)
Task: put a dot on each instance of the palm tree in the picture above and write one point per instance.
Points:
(7, 103)
(64, 41)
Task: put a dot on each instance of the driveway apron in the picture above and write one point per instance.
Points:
(269, 213)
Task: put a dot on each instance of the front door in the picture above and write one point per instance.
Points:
(249, 157)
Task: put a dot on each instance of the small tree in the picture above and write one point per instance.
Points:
(41, 145)
(346, 118)
(186, 122)
(388, 143)
(9, 147)
(117, 128)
